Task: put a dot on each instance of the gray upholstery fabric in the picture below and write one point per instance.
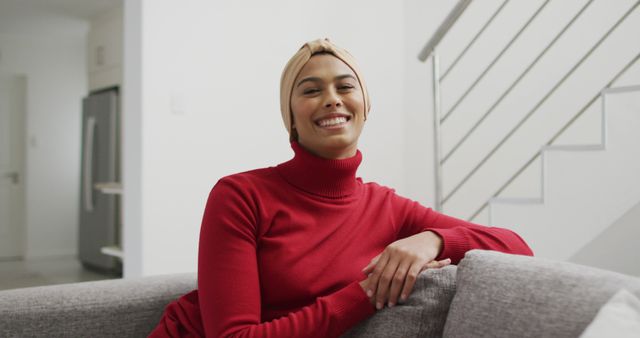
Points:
(114, 308)
(422, 315)
(500, 295)
(619, 317)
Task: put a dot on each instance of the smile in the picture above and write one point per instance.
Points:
(333, 122)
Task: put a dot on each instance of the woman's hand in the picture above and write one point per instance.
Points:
(393, 272)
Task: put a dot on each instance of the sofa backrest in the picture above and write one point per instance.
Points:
(422, 315)
(113, 308)
(500, 295)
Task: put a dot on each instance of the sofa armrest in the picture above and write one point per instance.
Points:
(112, 308)
(502, 295)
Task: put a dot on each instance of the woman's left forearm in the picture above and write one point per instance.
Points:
(459, 239)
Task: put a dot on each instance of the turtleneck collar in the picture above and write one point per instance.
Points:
(320, 176)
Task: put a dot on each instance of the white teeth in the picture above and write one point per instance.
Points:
(332, 121)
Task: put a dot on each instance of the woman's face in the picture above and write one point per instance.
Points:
(328, 107)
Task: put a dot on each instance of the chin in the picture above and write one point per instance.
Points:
(339, 141)
(331, 144)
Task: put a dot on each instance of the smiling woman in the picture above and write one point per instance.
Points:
(305, 248)
(327, 105)
(323, 100)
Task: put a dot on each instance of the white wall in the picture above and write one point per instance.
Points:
(616, 248)
(50, 51)
(207, 77)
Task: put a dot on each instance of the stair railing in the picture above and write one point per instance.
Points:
(430, 51)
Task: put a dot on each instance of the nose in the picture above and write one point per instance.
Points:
(332, 99)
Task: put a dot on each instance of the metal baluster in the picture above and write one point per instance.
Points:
(437, 147)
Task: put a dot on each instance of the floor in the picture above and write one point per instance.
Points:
(46, 271)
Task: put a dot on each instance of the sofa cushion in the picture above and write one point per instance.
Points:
(423, 314)
(113, 308)
(501, 295)
(619, 317)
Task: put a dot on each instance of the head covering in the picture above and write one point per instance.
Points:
(295, 64)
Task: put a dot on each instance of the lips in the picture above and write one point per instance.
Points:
(332, 120)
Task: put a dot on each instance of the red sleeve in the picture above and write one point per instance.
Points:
(228, 280)
(458, 236)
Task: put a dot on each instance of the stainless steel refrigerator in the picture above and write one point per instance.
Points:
(99, 209)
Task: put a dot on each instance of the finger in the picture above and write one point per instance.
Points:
(410, 281)
(384, 282)
(367, 269)
(375, 274)
(365, 286)
(398, 281)
(437, 264)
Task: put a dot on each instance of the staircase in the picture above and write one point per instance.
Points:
(585, 188)
(536, 109)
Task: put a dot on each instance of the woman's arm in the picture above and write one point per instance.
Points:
(229, 286)
(428, 239)
(458, 236)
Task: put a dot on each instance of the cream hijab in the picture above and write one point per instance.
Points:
(295, 64)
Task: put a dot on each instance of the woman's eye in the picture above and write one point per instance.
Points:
(311, 91)
(345, 87)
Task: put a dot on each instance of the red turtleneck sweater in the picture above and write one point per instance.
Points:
(282, 250)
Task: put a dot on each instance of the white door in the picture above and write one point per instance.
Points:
(12, 149)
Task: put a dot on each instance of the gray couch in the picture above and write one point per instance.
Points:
(488, 294)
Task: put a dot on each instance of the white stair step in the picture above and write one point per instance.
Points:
(585, 188)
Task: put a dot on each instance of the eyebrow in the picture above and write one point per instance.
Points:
(317, 79)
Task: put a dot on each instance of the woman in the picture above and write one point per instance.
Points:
(306, 249)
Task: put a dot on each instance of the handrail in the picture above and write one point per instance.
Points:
(443, 29)
(535, 108)
(557, 134)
